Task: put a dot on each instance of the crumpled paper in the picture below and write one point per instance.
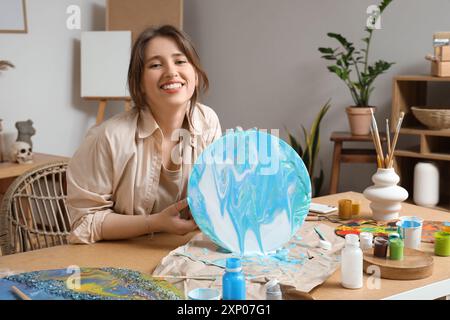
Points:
(301, 264)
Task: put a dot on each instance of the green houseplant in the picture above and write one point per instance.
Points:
(310, 149)
(352, 66)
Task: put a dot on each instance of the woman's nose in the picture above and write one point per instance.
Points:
(171, 71)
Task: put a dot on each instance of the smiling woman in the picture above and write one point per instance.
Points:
(129, 177)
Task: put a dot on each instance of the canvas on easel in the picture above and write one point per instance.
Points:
(136, 15)
(105, 56)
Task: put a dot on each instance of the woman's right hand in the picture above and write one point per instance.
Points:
(169, 219)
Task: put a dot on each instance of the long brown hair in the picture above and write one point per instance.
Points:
(137, 61)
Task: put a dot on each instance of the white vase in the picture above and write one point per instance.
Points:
(385, 195)
(426, 184)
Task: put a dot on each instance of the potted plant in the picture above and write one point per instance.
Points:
(352, 66)
(310, 149)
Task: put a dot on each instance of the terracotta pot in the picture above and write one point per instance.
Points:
(359, 119)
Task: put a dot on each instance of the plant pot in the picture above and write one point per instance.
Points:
(385, 195)
(359, 119)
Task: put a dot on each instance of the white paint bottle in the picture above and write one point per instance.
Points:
(352, 263)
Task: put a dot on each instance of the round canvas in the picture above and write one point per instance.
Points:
(249, 192)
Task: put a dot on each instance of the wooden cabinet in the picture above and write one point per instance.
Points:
(433, 145)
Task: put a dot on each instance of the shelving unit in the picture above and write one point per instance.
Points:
(433, 145)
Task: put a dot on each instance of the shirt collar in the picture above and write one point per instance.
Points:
(147, 123)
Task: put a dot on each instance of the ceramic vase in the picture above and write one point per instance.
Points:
(426, 184)
(385, 195)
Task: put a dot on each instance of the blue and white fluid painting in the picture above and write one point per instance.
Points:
(249, 192)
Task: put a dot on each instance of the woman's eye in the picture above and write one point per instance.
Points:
(181, 61)
(154, 65)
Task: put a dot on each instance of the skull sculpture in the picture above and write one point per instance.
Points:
(21, 152)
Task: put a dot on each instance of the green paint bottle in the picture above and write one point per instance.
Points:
(442, 244)
(396, 247)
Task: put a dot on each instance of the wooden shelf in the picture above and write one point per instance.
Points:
(409, 91)
(415, 154)
(424, 131)
(426, 78)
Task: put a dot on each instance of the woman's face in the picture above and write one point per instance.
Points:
(169, 79)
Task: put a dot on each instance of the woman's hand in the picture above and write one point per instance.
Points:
(170, 221)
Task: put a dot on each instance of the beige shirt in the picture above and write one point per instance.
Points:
(118, 166)
(171, 188)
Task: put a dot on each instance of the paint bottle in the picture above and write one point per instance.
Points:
(233, 281)
(273, 290)
(352, 263)
(396, 248)
(380, 247)
(366, 239)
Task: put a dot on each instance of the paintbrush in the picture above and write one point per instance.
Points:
(394, 142)
(207, 277)
(376, 147)
(323, 243)
(19, 293)
(377, 138)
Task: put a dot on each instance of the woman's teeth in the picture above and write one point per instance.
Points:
(172, 86)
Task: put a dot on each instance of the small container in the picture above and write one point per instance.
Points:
(352, 263)
(356, 209)
(366, 239)
(410, 230)
(273, 290)
(204, 294)
(442, 244)
(345, 209)
(396, 248)
(233, 281)
(380, 247)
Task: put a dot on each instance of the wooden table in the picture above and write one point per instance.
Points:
(350, 155)
(9, 170)
(144, 254)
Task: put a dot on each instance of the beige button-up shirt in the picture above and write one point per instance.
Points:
(117, 167)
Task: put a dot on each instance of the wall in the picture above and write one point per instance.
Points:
(261, 57)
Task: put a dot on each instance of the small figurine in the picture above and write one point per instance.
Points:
(26, 130)
(21, 152)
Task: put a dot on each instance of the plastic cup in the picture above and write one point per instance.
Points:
(204, 294)
(410, 230)
(442, 244)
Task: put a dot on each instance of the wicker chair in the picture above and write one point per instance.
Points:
(33, 214)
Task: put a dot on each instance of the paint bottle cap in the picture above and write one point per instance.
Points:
(326, 245)
(273, 290)
(394, 235)
(352, 239)
(233, 264)
(367, 236)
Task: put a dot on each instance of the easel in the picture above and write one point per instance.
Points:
(102, 105)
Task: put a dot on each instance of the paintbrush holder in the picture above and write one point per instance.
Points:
(385, 195)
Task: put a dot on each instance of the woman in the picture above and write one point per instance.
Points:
(129, 176)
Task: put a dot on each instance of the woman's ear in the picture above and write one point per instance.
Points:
(196, 80)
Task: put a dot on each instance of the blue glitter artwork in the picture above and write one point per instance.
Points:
(249, 192)
(94, 284)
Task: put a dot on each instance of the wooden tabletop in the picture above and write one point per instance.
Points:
(145, 253)
(10, 169)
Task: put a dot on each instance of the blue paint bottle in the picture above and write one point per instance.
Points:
(233, 281)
